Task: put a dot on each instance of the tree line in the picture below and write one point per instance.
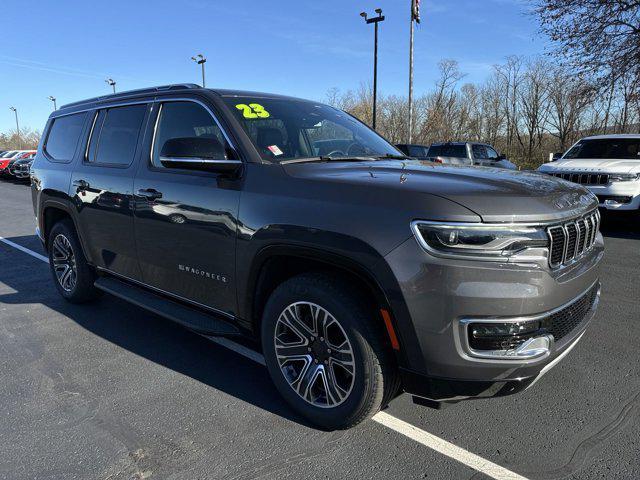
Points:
(27, 139)
(526, 107)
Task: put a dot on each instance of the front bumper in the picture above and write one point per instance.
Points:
(441, 294)
(618, 195)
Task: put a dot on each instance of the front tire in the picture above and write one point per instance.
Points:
(72, 274)
(324, 353)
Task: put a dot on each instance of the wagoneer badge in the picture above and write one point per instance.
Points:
(201, 273)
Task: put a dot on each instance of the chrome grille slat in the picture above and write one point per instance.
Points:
(583, 178)
(570, 240)
(572, 237)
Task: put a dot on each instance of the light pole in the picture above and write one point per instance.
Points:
(375, 21)
(15, 111)
(200, 60)
(111, 82)
(415, 17)
(53, 99)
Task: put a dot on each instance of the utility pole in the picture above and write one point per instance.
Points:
(15, 111)
(53, 99)
(200, 60)
(415, 16)
(111, 82)
(375, 21)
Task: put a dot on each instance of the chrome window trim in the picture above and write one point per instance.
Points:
(461, 339)
(199, 160)
(93, 126)
(104, 106)
(161, 102)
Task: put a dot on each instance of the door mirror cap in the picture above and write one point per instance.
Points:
(197, 153)
(555, 156)
(502, 156)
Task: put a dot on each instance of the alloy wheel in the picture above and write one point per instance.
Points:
(64, 263)
(314, 354)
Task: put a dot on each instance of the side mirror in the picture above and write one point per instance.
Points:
(197, 153)
(502, 156)
(556, 156)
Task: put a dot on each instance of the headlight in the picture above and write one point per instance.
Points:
(484, 241)
(623, 177)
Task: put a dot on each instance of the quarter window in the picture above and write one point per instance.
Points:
(64, 135)
(115, 135)
(184, 120)
(479, 152)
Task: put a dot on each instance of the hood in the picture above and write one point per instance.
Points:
(494, 194)
(593, 165)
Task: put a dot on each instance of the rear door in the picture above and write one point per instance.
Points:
(102, 187)
(186, 221)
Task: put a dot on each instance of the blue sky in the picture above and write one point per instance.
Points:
(66, 48)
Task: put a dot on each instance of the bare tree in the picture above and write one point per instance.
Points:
(600, 37)
(569, 95)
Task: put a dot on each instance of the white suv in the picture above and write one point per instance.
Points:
(608, 165)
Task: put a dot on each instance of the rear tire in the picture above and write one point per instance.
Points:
(310, 371)
(72, 275)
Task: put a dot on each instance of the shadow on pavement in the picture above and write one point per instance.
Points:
(143, 333)
(621, 225)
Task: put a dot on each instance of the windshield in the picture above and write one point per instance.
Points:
(618, 148)
(288, 129)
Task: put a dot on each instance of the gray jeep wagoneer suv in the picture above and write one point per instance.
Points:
(358, 272)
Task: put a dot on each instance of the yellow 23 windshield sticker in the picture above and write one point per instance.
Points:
(253, 110)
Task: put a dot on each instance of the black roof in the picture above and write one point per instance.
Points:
(173, 87)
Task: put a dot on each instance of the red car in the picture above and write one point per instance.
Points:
(8, 158)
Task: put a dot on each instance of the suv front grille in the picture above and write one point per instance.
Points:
(562, 322)
(572, 239)
(584, 178)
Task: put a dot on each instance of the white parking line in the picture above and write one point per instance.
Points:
(25, 250)
(446, 448)
(400, 426)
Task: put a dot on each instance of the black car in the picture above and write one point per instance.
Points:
(414, 150)
(359, 272)
(21, 168)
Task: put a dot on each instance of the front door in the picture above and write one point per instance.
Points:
(102, 188)
(186, 221)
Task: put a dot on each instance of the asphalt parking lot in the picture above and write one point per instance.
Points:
(110, 391)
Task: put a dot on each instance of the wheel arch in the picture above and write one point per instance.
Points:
(52, 213)
(277, 263)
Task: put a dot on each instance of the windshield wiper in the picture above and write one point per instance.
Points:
(346, 158)
(392, 156)
(327, 158)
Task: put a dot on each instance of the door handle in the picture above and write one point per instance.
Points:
(80, 185)
(149, 193)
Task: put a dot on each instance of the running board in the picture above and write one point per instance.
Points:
(193, 319)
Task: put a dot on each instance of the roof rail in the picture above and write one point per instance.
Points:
(131, 93)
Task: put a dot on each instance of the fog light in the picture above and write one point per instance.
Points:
(508, 340)
(501, 336)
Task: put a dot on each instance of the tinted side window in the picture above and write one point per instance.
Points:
(184, 120)
(491, 154)
(417, 151)
(64, 135)
(118, 137)
(448, 150)
(479, 152)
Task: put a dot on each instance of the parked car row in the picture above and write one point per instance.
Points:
(16, 163)
(458, 153)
